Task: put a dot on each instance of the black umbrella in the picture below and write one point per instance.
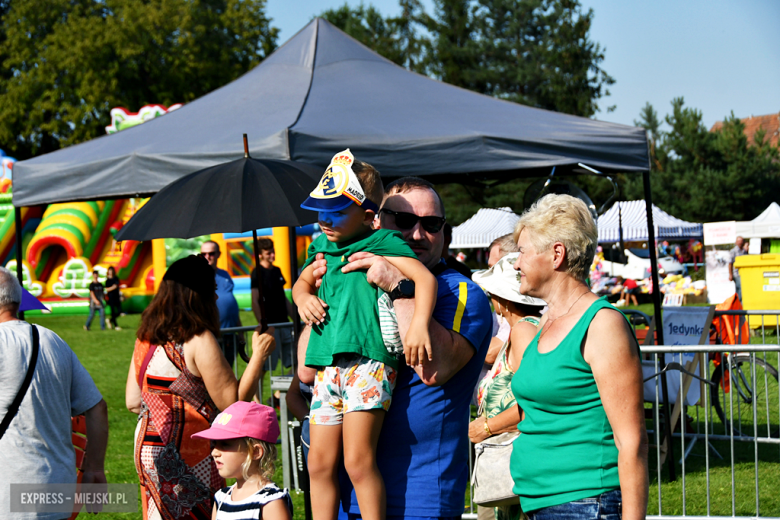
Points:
(234, 197)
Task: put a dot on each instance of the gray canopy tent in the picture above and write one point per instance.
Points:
(319, 93)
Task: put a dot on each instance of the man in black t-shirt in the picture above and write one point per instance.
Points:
(96, 302)
(277, 307)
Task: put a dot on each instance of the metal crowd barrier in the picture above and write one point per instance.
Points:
(742, 407)
(736, 421)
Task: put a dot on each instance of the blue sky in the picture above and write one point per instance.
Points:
(721, 56)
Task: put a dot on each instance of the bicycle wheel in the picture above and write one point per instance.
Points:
(743, 396)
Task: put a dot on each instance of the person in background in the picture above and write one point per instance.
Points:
(497, 250)
(178, 380)
(37, 447)
(451, 261)
(499, 410)
(96, 302)
(582, 452)
(277, 307)
(737, 250)
(114, 300)
(226, 302)
(629, 292)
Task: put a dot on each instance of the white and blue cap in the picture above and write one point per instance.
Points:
(339, 187)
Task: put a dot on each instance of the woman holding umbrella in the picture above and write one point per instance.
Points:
(178, 382)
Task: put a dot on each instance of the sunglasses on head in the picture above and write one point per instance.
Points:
(405, 220)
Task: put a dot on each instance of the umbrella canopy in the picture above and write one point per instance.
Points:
(234, 197)
(634, 216)
(319, 93)
(30, 302)
(486, 225)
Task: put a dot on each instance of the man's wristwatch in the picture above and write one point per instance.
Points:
(404, 289)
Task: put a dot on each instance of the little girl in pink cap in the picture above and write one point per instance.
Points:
(244, 439)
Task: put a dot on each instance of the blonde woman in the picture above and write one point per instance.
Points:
(582, 452)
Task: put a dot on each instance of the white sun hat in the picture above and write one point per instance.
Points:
(502, 280)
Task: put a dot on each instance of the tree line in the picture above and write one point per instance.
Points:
(66, 64)
(539, 53)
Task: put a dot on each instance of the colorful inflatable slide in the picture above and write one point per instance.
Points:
(63, 243)
(71, 241)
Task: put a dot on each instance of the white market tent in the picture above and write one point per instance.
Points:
(766, 225)
(486, 225)
(634, 223)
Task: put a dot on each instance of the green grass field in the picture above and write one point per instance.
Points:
(106, 355)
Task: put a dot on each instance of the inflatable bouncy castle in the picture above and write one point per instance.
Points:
(63, 243)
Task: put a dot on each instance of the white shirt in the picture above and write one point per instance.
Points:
(37, 447)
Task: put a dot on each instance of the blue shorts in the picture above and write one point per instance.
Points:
(606, 506)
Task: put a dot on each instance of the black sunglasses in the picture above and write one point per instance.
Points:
(405, 220)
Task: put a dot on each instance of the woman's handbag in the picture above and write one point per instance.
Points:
(492, 481)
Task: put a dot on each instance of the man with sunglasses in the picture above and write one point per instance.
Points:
(226, 302)
(423, 448)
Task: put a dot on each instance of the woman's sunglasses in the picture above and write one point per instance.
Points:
(409, 220)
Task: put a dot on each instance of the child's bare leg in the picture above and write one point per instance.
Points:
(305, 374)
(323, 462)
(361, 433)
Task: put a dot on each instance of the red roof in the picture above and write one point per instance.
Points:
(770, 123)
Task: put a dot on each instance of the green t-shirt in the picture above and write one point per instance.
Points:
(352, 325)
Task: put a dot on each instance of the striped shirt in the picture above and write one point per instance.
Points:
(250, 508)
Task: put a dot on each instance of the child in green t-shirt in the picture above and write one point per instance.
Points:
(356, 371)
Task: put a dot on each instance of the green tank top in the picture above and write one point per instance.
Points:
(566, 450)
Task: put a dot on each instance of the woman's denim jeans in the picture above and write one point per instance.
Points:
(607, 506)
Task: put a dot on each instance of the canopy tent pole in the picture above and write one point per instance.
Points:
(19, 255)
(659, 326)
(260, 300)
(620, 232)
(293, 240)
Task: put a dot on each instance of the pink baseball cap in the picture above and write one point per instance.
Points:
(243, 419)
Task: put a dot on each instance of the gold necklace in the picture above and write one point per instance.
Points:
(548, 325)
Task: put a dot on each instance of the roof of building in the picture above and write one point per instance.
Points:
(770, 123)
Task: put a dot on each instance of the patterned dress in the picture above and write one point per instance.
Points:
(178, 475)
(496, 392)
